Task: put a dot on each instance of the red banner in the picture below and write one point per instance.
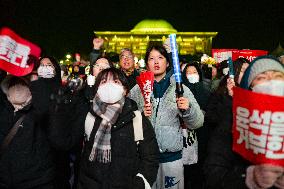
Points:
(223, 54)
(249, 54)
(258, 127)
(14, 53)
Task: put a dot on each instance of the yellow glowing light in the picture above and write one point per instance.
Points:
(68, 56)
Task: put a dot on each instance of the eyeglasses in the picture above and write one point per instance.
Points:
(126, 56)
(101, 67)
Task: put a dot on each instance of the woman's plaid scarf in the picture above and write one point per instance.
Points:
(109, 113)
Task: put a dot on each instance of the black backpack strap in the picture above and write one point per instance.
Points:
(13, 131)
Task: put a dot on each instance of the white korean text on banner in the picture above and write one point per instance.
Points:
(14, 53)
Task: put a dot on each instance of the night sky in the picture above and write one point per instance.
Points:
(60, 26)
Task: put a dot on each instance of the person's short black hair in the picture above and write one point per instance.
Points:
(161, 49)
(117, 74)
(13, 81)
(107, 58)
(238, 64)
(158, 48)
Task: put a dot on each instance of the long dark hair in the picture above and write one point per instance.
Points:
(238, 63)
(117, 74)
(238, 67)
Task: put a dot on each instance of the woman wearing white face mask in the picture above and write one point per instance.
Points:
(50, 71)
(226, 169)
(192, 78)
(265, 75)
(111, 157)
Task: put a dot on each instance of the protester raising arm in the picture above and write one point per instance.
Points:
(97, 45)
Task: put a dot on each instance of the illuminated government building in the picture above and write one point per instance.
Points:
(148, 31)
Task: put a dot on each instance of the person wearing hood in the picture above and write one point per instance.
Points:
(164, 113)
(26, 160)
(226, 169)
(49, 71)
(192, 78)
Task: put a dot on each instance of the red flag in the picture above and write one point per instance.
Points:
(14, 53)
(146, 81)
(258, 127)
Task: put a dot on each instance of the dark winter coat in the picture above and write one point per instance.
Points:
(224, 169)
(27, 162)
(61, 157)
(132, 78)
(127, 159)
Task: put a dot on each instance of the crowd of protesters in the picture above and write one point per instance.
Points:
(86, 125)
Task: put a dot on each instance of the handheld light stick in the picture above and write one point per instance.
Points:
(231, 68)
(176, 65)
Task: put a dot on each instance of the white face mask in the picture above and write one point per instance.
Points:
(193, 78)
(272, 87)
(110, 92)
(45, 71)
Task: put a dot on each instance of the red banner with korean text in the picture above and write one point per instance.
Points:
(258, 127)
(248, 54)
(14, 53)
(223, 54)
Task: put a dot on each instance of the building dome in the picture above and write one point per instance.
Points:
(153, 26)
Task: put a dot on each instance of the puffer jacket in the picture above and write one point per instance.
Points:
(165, 117)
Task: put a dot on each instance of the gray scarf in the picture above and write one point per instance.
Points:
(109, 113)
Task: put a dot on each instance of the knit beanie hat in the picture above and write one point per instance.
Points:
(259, 65)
